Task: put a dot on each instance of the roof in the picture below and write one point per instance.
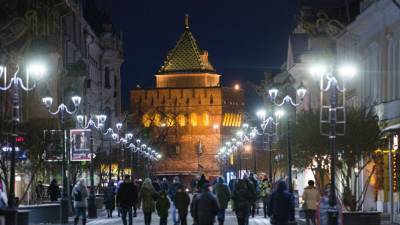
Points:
(186, 56)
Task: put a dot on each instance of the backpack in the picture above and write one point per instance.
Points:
(78, 195)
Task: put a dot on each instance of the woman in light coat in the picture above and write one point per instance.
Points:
(80, 195)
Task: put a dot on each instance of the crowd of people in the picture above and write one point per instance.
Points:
(208, 202)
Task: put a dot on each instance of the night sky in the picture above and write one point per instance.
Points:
(243, 38)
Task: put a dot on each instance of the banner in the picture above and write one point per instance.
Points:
(52, 145)
(80, 144)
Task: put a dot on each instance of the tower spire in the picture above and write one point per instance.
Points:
(187, 21)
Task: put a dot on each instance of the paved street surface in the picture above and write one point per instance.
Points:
(139, 220)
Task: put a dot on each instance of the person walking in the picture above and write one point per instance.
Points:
(147, 198)
(39, 191)
(205, 207)
(254, 186)
(281, 205)
(126, 197)
(109, 198)
(53, 190)
(311, 198)
(265, 192)
(171, 193)
(162, 207)
(182, 201)
(80, 194)
(164, 185)
(223, 194)
(242, 200)
(323, 208)
(202, 182)
(196, 194)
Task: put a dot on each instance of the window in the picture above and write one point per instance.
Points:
(107, 83)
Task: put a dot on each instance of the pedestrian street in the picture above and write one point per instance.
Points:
(139, 220)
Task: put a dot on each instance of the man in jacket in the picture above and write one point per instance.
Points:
(311, 198)
(171, 193)
(80, 195)
(182, 201)
(281, 205)
(221, 190)
(127, 196)
(205, 207)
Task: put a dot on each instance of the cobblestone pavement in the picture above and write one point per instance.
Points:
(139, 220)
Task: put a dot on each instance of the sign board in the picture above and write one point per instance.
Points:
(80, 144)
(53, 148)
(396, 142)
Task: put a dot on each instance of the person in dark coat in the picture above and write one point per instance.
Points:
(254, 183)
(109, 198)
(205, 207)
(171, 193)
(242, 200)
(196, 194)
(223, 194)
(39, 191)
(127, 196)
(147, 198)
(182, 201)
(164, 185)
(53, 190)
(201, 182)
(281, 205)
(162, 207)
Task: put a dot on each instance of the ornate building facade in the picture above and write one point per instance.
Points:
(188, 113)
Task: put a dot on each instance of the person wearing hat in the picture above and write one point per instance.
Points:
(205, 207)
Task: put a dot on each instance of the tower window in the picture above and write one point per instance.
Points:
(107, 83)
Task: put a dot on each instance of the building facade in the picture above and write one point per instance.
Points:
(188, 113)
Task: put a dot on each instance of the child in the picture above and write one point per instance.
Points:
(162, 206)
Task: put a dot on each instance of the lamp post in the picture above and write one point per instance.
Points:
(63, 111)
(15, 85)
(111, 132)
(269, 131)
(329, 73)
(289, 102)
(98, 124)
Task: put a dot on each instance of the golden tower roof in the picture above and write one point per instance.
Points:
(186, 56)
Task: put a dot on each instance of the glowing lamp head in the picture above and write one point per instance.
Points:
(261, 114)
(273, 92)
(47, 101)
(237, 87)
(114, 136)
(102, 118)
(76, 100)
(215, 126)
(129, 136)
(36, 69)
(119, 126)
(79, 118)
(279, 113)
(347, 71)
(138, 141)
(301, 91)
(318, 70)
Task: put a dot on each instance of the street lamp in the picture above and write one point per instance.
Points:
(329, 73)
(111, 132)
(63, 111)
(37, 70)
(269, 131)
(289, 102)
(97, 124)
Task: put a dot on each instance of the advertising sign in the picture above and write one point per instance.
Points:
(80, 144)
(52, 145)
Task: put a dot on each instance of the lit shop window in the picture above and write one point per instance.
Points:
(181, 120)
(193, 119)
(206, 119)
